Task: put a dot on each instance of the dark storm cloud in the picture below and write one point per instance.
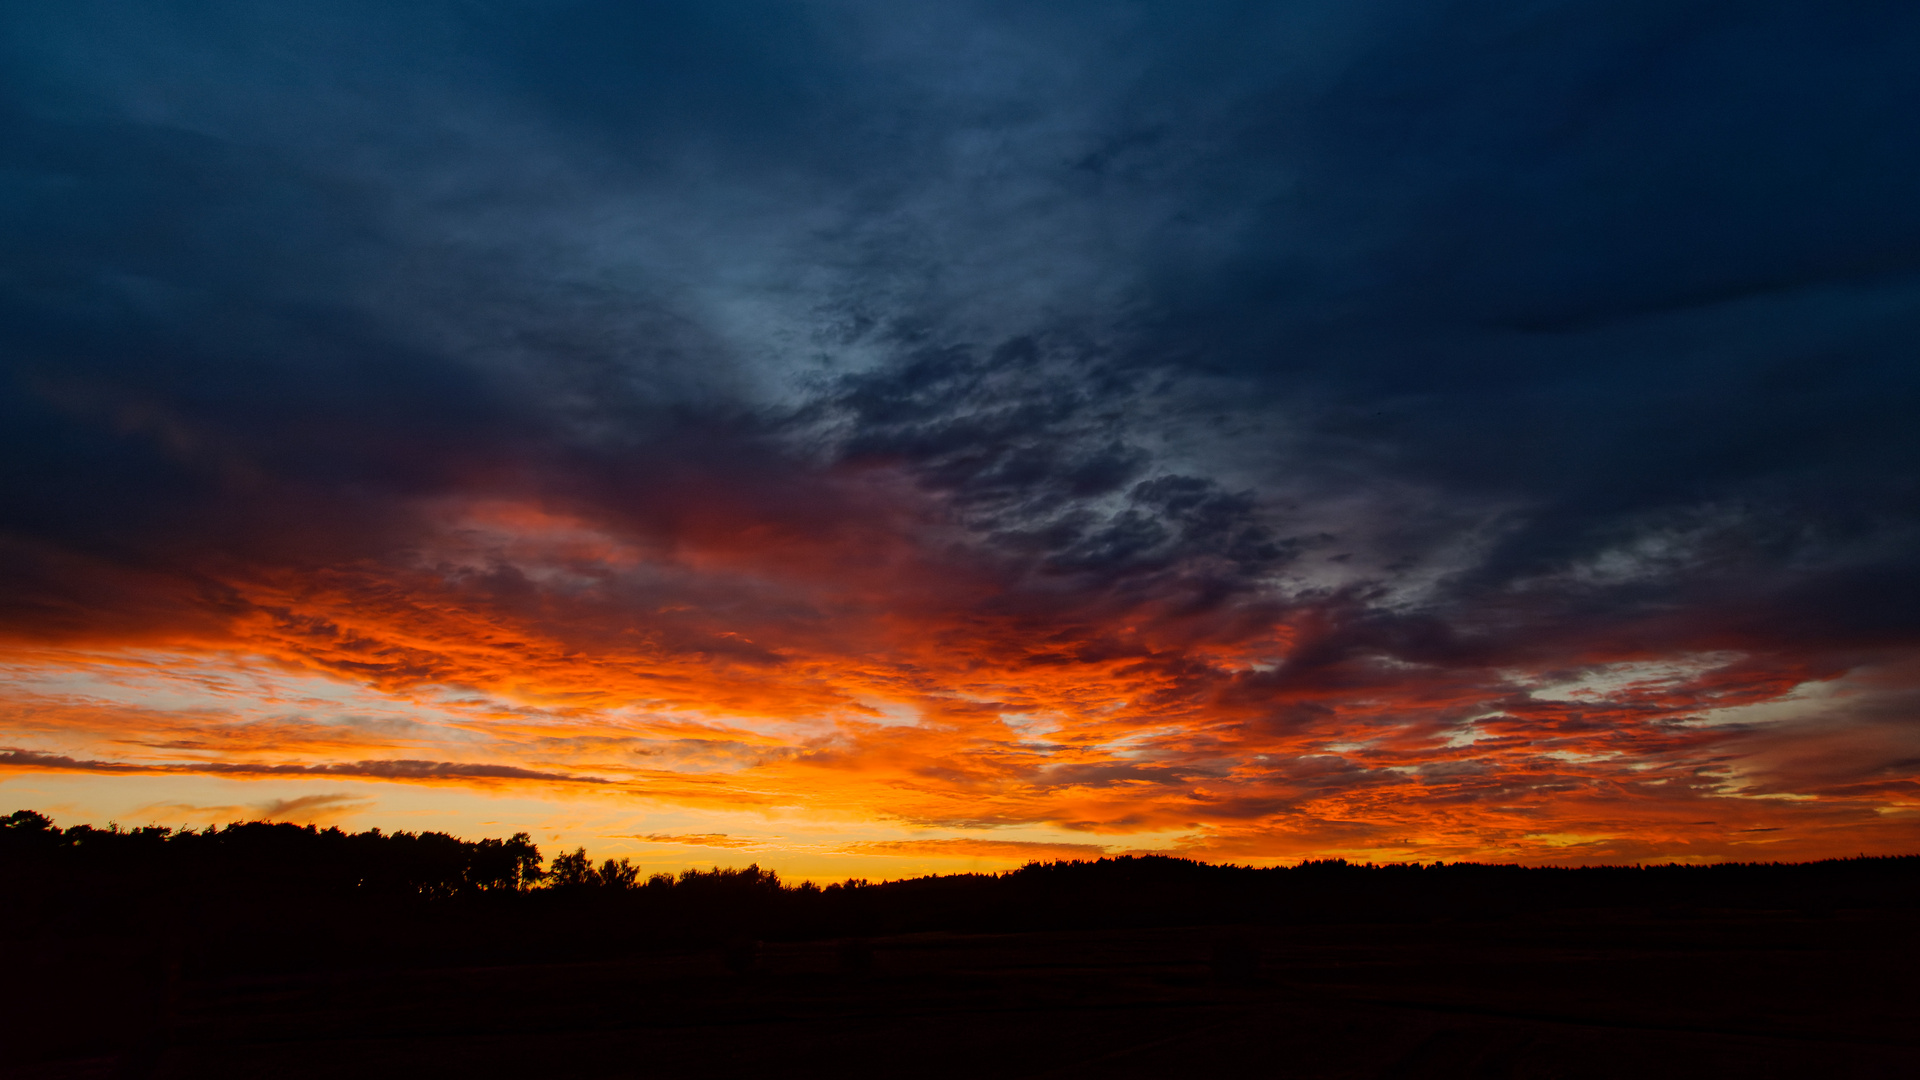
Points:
(1456, 321)
(1647, 271)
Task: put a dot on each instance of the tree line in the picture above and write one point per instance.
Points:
(274, 896)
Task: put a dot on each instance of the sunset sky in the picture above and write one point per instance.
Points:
(876, 438)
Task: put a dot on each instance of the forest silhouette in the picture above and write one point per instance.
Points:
(103, 927)
(262, 896)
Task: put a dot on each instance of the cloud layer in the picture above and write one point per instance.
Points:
(1339, 428)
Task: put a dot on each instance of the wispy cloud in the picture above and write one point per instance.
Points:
(378, 770)
(965, 847)
(712, 840)
(302, 809)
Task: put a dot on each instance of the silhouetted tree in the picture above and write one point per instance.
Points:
(572, 870)
(510, 864)
(619, 875)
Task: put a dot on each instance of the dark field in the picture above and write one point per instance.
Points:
(1629, 994)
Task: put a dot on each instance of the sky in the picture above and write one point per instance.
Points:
(872, 439)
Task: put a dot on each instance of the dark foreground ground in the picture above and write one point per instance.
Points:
(1649, 994)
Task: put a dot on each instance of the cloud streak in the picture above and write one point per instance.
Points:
(377, 770)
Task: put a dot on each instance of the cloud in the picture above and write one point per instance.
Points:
(313, 807)
(302, 809)
(378, 770)
(968, 847)
(1183, 421)
(710, 840)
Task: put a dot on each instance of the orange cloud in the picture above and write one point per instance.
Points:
(965, 847)
(859, 672)
(709, 840)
